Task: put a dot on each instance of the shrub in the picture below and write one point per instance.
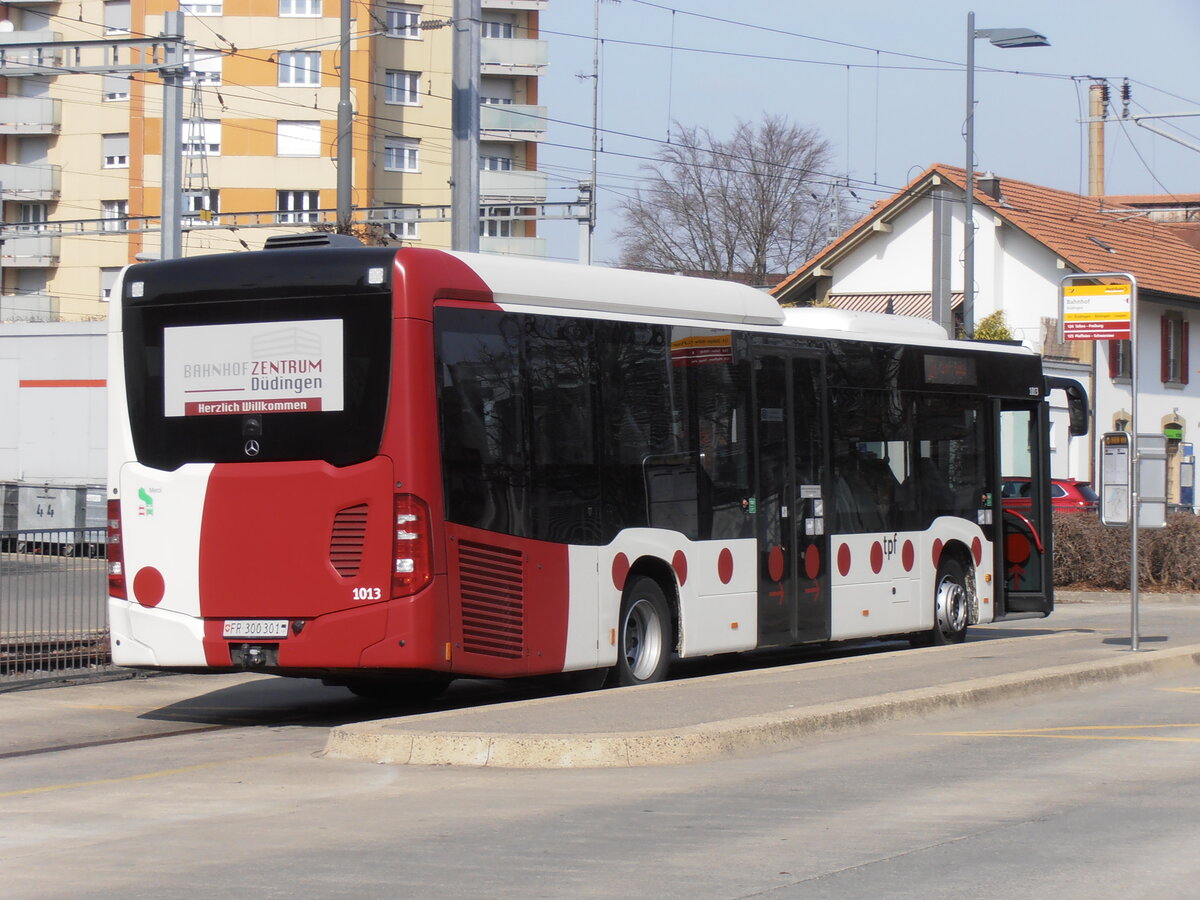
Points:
(1088, 554)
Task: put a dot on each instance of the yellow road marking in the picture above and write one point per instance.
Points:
(144, 776)
(1078, 733)
(1183, 690)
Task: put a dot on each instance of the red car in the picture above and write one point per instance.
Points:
(1066, 494)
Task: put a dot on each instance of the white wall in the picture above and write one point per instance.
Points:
(52, 402)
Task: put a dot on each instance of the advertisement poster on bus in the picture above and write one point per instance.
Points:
(253, 368)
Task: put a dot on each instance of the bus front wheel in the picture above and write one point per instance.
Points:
(643, 634)
(950, 603)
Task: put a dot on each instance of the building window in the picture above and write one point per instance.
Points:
(202, 138)
(300, 8)
(1118, 360)
(494, 222)
(299, 68)
(200, 207)
(116, 87)
(401, 222)
(108, 281)
(114, 148)
(401, 156)
(295, 138)
(297, 206)
(496, 163)
(116, 17)
(403, 21)
(1174, 349)
(32, 216)
(208, 8)
(496, 29)
(402, 87)
(205, 70)
(114, 213)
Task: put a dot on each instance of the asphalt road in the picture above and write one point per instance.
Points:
(178, 787)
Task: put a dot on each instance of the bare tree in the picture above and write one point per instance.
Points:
(755, 204)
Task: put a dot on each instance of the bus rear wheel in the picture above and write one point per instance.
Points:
(643, 634)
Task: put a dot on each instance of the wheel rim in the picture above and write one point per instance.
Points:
(952, 606)
(642, 633)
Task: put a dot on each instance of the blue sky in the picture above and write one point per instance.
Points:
(884, 82)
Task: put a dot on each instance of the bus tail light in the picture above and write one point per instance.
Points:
(116, 553)
(411, 543)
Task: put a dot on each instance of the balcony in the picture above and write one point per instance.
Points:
(30, 115)
(512, 122)
(513, 56)
(532, 247)
(19, 182)
(38, 251)
(508, 187)
(29, 60)
(28, 308)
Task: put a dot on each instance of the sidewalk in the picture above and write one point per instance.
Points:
(722, 715)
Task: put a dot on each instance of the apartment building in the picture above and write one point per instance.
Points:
(81, 170)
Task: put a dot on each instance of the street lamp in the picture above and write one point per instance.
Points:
(1005, 38)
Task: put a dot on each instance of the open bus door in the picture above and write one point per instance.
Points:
(793, 547)
(1022, 520)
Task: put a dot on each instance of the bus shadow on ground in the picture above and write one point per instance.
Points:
(277, 702)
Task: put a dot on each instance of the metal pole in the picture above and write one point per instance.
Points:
(464, 159)
(969, 215)
(1135, 475)
(345, 125)
(591, 224)
(171, 239)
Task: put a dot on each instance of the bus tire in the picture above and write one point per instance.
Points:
(950, 604)
(643, 634)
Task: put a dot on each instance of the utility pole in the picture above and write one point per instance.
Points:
(1097, 113)
(464, 157)
(172, 151)
(345, 124)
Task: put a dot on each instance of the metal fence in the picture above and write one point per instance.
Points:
(53, 593)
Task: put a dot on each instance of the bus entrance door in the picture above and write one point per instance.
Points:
(793, 549)
(1023, 524)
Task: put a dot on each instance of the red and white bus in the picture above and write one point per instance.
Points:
(385, 467)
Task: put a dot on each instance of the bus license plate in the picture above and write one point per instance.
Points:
(255, 628)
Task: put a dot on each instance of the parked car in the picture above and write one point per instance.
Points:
(1066, 494)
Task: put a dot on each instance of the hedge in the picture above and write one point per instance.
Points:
(1088, 555)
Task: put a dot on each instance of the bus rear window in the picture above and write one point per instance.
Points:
(258, 380)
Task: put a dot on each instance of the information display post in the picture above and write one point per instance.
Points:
(1102, 306)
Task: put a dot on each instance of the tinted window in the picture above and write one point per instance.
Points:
(166, 438)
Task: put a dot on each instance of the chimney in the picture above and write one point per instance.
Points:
(989, 184)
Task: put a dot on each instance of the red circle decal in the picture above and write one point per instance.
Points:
(1017, 548)
(725, 566)
(149, 587)
(679, 564)
(876, 557)
(844, 560)
(620, 570)
(977, 550)
(908, 556)
(812, 561)
(775, 564)
(937, 552)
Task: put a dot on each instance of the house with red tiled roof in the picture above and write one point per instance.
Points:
(905, 255)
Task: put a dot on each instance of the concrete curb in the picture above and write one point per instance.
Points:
(383, 742)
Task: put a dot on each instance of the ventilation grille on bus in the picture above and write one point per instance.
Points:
(493, 599)
(346, 541)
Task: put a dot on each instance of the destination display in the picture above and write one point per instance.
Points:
(253, 367)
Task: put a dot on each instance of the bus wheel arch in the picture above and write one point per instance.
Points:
(647, 626)
(954, 601)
